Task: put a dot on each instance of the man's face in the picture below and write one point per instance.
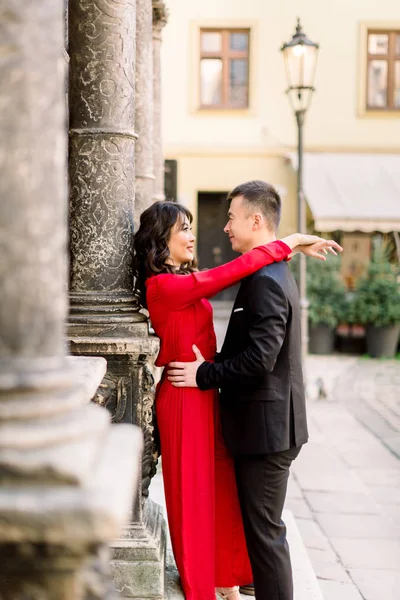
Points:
(240, 225)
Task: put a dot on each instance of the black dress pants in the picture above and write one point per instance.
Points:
(262, 484)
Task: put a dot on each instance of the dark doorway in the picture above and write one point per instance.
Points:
(213, 244)
(171, 180)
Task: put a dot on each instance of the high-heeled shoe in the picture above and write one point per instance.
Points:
(231, 593)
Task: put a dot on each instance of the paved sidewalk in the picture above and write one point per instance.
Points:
(345, 489)
(371, 391)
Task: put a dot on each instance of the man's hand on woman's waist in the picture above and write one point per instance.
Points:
(183, 374)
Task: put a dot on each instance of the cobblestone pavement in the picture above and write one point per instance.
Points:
(345, 486)
(371, 391)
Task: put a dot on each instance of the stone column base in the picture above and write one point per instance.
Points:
(138, 557)
(127, 390)
(67, 479)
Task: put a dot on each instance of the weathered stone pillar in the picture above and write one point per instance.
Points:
(160, 15)
(104, 317)
(144, 108)
(102, 161)
(62, 493)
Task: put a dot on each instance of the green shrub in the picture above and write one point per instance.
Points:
(377, 297)
(350, 315)
(326, 292)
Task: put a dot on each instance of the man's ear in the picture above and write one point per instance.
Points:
(258, 221)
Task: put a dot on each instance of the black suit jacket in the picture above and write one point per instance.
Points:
(259, 368)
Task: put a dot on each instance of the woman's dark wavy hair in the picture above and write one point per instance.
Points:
(150, 244)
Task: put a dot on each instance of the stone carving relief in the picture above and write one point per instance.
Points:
(101, 225)
(102, 49)
(113, 394)
(102, 144)
(151, 442)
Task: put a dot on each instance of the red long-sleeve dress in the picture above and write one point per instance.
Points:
(200, 490)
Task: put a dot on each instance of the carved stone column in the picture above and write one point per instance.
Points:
(160, 16)
(102, 161)
(62, 495)
(144, 108)
(104, 317)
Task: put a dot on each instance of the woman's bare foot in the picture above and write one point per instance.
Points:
(228, 593)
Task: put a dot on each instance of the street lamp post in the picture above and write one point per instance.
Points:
(300, 56)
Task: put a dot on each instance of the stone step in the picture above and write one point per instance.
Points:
(173, 590)
(305, 581)
(306, 585)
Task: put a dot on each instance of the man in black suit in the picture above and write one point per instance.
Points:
(259, 373)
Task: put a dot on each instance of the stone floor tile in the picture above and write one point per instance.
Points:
(393, 443)
(381, 477)
(331, 571)
(377, 584)
(393, 512)
(385, 495)
(293, 490)
(312, 535)
(326, 481)
(315, 433)
(333, 590)
(342, 503)
(317, 455)
(337, 423)
(323, 555)
(362, 455)
(358, 526)
(299, 508)
(368, 553)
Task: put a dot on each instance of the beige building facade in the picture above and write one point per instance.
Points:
(354, 113)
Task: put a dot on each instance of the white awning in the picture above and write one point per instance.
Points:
(352, 192)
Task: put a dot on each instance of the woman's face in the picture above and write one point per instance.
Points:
(181, 242)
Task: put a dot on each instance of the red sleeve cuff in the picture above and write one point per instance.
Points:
(285, 247)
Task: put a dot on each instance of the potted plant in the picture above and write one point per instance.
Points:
(377, 305)
(326, 294)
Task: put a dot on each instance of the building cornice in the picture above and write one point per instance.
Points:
(175, 151)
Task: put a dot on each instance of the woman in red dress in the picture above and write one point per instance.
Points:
(200, 489)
